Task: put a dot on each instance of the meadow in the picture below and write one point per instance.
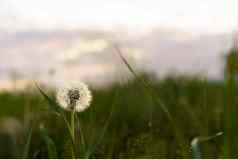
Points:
(178, 117)
(137, 128)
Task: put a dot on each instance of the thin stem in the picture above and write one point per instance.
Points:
(73, 134)
(81, 134)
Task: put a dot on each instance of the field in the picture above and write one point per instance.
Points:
(138, 127)
(178, 117)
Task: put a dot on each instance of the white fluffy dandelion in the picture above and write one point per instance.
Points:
(74, 97)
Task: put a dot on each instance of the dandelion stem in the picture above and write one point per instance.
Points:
(73, 133)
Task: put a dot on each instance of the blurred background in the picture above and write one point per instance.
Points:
(186, 49)
(53, 41)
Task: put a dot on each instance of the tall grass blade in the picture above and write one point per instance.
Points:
(143, 82)
(60, 112)
(53, 105)
(50, 145)
(150, 92)
(35, 155)
(27, 145)
(230, 118)
(92, 149)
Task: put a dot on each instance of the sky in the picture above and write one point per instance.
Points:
(198, 16)
(72, 38)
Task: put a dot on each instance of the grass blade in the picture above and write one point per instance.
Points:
(53, 105)
(51, 148)
(27, 146)
(195, 144)
(145, 84)
(36, 154)
(150, 92)
(60, 112)
(100, 138)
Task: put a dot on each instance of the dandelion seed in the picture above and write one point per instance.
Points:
(75, 97)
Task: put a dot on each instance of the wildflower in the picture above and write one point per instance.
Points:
(75, 97)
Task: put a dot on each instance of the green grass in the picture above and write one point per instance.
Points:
(179, 117)
(138, 128)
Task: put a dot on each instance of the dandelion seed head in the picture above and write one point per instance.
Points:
(74, 97)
